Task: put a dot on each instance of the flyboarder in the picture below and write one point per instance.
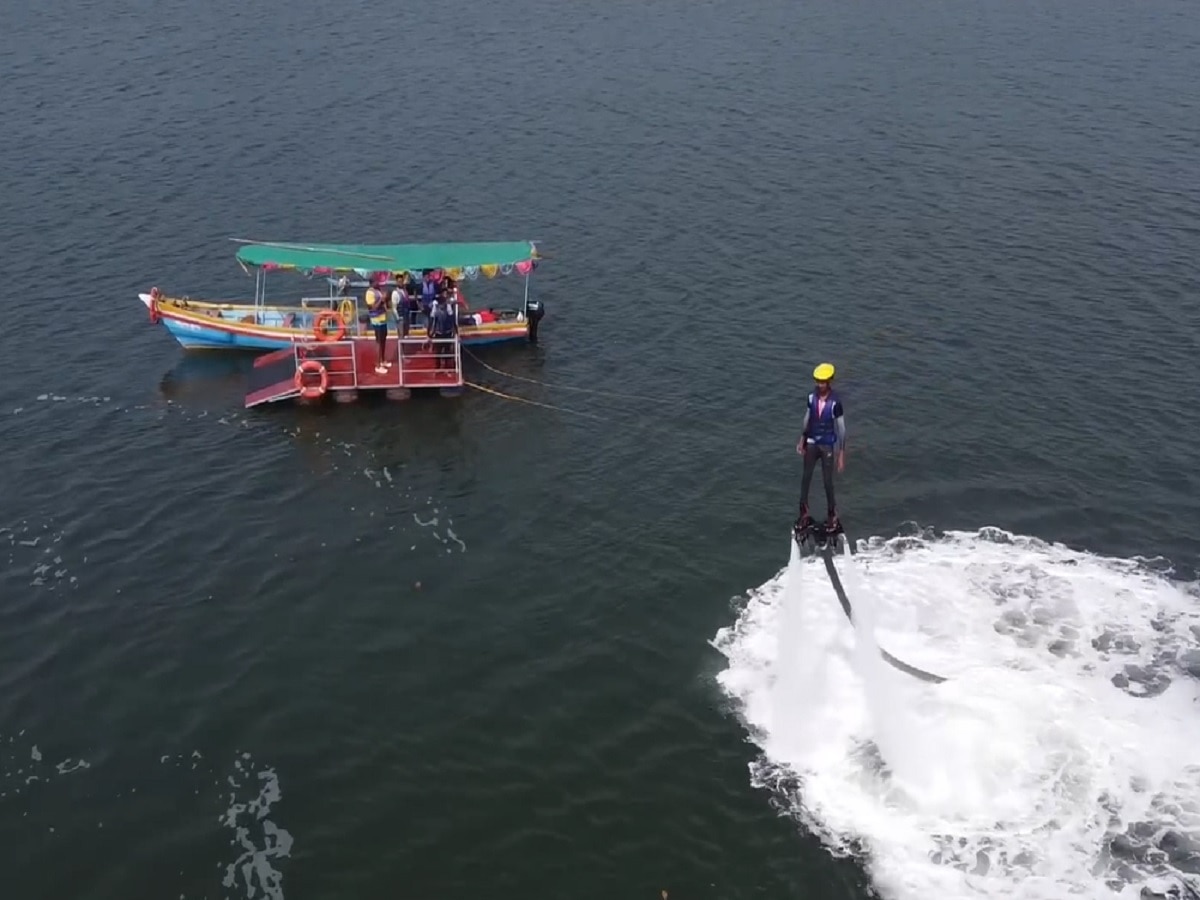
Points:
(823, 438)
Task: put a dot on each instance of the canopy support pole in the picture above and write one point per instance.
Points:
(260, 294)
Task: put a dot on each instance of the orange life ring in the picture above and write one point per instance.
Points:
(328, 315)
(311, 391)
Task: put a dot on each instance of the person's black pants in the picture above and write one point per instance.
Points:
(381, 341)
(812, 453)
(443, 353)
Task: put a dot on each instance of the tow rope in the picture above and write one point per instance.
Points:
(502, 395)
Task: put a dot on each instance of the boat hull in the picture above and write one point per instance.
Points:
(237, 327)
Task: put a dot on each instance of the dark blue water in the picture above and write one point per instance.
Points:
(467, 640)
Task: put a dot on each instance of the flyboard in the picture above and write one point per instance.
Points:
(819, 538)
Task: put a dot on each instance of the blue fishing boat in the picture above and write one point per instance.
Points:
(345, 271)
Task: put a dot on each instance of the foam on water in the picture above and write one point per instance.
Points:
(1061, 759)
(38, 552)
(22, 766)
(257, 838)
(246, 792)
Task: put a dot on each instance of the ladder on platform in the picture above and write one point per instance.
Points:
(430, 362)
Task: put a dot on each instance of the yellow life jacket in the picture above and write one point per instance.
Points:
(376, 306)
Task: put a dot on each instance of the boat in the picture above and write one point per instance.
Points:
(347, 270)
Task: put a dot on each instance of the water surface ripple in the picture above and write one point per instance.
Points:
(462, 647)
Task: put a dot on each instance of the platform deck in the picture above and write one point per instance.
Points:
(350, 365)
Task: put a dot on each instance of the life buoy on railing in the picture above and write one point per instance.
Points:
(311, 391)
(347, 309)
(325, 316)
(154, 295)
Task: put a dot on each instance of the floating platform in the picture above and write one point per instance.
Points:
(316, 370)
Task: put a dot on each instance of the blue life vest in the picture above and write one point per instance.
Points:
(442, 321)
(428, 291)
(822, 428)
(377, 306)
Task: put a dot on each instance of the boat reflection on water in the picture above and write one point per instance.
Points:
(207, 379)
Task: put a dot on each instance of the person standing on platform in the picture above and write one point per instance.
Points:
(400, 305)
(442, 327)
(823, 438)
(377, 310)
(429, 292)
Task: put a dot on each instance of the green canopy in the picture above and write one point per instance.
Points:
(385, 257)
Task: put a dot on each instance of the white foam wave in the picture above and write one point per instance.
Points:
(37, 551)
(257, 837)
(1061, 758)
(434, 524)
(22, 766)
(26, 771)
(161, 408)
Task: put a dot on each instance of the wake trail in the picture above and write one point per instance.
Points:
(1057, 760)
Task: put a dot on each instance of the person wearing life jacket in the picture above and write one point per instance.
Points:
(442, 325)
(429, 292)
(823, 438)
(377, 308)
(403, 305)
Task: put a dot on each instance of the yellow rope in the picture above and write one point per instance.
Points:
(487, 390)
(566, 387)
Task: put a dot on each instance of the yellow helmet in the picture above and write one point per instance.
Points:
(823, 372)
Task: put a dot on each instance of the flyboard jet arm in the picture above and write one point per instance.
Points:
(827, 555)
(899, 664)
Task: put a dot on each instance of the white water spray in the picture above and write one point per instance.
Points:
(802, 659)
(1060, 758)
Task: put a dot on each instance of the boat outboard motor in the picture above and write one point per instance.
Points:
(533, 314)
